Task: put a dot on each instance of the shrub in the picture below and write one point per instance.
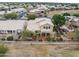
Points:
(48, 38)
(12, 15)
(77, 15)
(59, 39)
(66, 14)
(10, 38)
(53, 40)
(3, 50)
(26, 33)
(31, 16)
(3, 39)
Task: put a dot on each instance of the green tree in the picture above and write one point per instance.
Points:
(66, 14)
(31, 16)
(58, 21)
(12, 15)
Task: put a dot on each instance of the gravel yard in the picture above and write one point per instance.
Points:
(20, 49)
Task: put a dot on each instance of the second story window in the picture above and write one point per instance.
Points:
(46, 27)
(49, 27)
(9, 31)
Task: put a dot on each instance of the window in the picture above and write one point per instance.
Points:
(2, 31)
(46, 27)
(49, 27)
(9, 31)
(48, 34)
(13, 31)
(42, 11)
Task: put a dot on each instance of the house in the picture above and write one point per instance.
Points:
(72, 23)
(72, 20)
(11, 28)
(43, 26)
(38, 12)
(42, 7)
(21, 12)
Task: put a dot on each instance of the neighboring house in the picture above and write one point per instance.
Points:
(71, 24)
(11, 28)
(21, 12)
(42, 7)
(17, 10)
(43, 26)
(38, 12)
(72, 20)
(75, 22)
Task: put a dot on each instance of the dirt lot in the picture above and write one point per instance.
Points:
(20, 49)
(51, 13)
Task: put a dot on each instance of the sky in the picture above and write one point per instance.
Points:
(57, 1)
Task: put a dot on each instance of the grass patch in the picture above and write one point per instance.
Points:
(3, 50)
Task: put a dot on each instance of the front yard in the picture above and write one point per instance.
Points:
(22, 49)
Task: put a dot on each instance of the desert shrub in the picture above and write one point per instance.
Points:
(31, 17)
(66, 14)
(3, 39)
(48, 38)
(76, 14)
(27, 34)
(3, 50)
(59, 39)
(53, 40)
(10, 38)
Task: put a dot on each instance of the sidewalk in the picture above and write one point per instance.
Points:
(36, 42)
